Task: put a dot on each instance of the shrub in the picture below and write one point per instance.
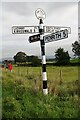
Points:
(11, 109)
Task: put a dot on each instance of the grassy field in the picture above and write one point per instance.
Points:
(23, 98)
(75, 60)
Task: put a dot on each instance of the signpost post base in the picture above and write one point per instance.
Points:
(45, 91)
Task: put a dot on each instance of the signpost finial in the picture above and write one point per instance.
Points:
(40, 14)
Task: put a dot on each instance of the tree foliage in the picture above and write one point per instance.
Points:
(35, 61)
(76, 48)
(20, 57)
(62, 57)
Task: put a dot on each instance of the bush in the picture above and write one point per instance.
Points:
(35, 61)
(11, 109)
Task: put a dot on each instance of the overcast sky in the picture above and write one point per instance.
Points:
(23, 14)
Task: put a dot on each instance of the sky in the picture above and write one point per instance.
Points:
(23, 14)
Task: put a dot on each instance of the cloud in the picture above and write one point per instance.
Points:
(23, 14)
(40, 1)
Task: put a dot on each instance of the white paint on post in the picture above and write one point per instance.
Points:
(41, 26)
(44, 76)
(41, 37)
(43, 59)
(45, 91)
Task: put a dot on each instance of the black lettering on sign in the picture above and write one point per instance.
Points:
(34, 38)
(46, 39)
(58, 35)
(64, 34)
(53, 36)
(26, 31)
(30, 31)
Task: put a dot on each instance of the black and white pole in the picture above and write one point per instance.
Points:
(42, 43)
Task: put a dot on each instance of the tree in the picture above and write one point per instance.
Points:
(76, 48)
(35, 61)
(62, 57)
(20, 57)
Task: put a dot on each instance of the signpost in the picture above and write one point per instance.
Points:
(25, 29)
(53, 29)
(40, 14)
(57, 33)
(34, 38)
(35, 29)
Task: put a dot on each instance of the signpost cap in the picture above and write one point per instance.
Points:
(40, 14)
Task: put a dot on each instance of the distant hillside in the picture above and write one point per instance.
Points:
(7, 58)
(47, 57)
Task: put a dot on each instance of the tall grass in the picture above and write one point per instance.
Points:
(23, 98)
